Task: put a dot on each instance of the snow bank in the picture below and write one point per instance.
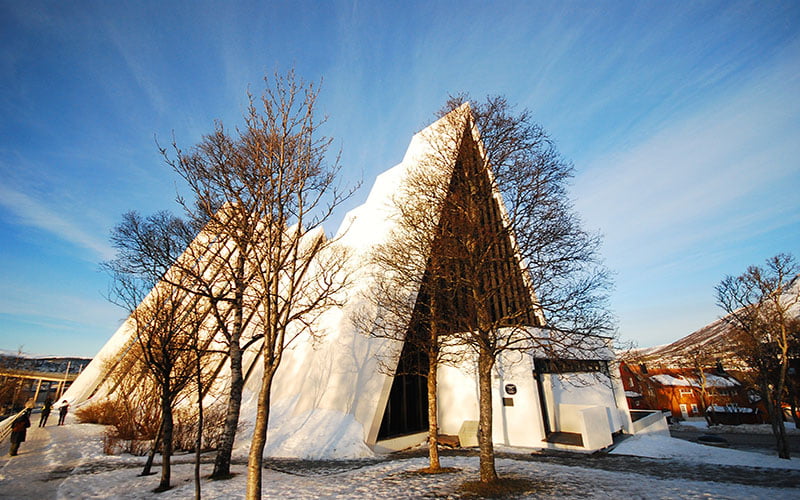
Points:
(318, 434)
(656, 446)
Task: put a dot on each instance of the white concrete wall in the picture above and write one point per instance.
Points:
(520, 424)
(517, 425)
(458, 397)
(95, 371)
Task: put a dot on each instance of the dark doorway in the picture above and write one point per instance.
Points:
(407, 409)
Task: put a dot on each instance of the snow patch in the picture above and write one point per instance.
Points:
(318, 434)
(657, 446)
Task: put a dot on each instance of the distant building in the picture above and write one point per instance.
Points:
(715, 340)
(684, 393)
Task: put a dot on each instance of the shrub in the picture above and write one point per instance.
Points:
(133, 421)
(99, 412)
(185, 430)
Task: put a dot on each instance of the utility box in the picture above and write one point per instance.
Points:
(468, 434)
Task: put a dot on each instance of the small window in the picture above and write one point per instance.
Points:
(685, 392)
(694, 409)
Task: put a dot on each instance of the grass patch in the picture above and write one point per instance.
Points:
(506, 487)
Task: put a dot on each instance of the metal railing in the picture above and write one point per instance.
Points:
(5, 425)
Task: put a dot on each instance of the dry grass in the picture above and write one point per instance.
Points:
(102, 413)
(133, 431)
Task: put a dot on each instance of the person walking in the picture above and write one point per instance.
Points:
(48, 405)
(18, 430)
(62, 412)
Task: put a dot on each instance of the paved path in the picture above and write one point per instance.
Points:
(39, 467)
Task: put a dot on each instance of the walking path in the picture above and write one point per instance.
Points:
(42, 463)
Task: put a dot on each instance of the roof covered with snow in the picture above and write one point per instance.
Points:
(712, 380)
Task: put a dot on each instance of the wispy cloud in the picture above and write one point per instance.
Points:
(703, 176)
(34, 213)
(134, 52)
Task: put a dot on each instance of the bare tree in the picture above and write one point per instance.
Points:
(463, 265)
(528, 277)
(762, 306)
(166, 321)
(411, 290)
(299, 273)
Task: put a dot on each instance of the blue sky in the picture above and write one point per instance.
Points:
(682, 120)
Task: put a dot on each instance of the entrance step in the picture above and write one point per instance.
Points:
(568, 438)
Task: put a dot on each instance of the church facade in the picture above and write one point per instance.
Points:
(346, 377)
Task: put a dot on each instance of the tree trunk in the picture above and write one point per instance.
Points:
(153, 450)
(433, 397)
(166, 447)
(793, 403)
(256, 458)
(779, 431)
(433, 420)
(776, 421)
(487, 470)
(222, 463)
(198, 443)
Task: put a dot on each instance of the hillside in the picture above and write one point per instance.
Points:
(716, 338)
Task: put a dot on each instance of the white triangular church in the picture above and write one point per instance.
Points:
(334, 397)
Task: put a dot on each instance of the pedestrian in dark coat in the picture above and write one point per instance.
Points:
(48, 405)
(62, 412)
(18, 430)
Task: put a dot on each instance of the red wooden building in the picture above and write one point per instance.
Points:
(686, 393)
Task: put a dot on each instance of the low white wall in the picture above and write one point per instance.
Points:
(591, 422)
(585, 389)
(655, 423)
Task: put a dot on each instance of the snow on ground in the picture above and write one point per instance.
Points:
(655, 446)
(701, 424)
(67, 463)
(392, 480)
